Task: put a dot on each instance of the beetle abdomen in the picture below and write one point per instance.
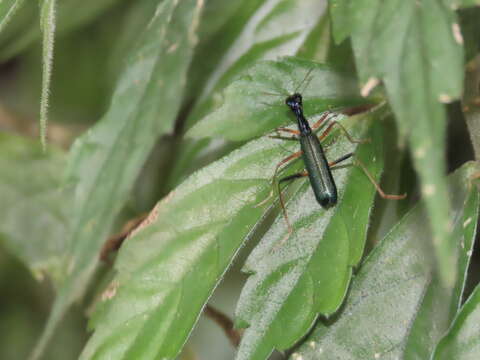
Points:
(319, 173)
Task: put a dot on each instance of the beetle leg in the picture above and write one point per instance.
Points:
(283, 162)
(332, 124)
(282, 202)
(361, 165)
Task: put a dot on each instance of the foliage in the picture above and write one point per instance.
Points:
(199, 87)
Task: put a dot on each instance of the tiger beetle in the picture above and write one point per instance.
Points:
(318, 169)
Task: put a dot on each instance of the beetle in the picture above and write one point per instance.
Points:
(318, 169)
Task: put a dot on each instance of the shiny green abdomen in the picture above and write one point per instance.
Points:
(319, 173)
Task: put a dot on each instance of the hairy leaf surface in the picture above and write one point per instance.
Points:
(255, 103)
(397, 307)
(277, 28)
(295, 279)
(105, 162)
(416, 49)
(258, 31)
(167, 270)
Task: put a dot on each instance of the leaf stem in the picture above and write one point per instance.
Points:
(225, 323)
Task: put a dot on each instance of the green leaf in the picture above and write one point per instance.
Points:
(34, 211)
(217, 34)
(317, 43)
(340, 13)
(259, 30)
(462, 342)
(168, 270)
(254, 104)
(8, 8)
(397, 307)
(105, 162)
(320, 47)
(415, 47)
(344, 11)
(440, 304)
(47, 24)
(278, 28)
(294, 280)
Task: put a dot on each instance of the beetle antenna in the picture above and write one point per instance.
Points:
(271, 93)
(303, 81)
